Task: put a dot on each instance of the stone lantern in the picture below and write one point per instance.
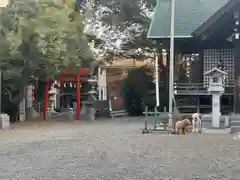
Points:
(216, 88)
(88, 110)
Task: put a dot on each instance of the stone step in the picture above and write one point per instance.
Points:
(208, 125)
(216, 131)
(235, 129)
(235, 123)
(207, 121)
(210, 121)
(235, 117)
(209, 118)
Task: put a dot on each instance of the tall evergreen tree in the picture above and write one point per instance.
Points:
(38, 39)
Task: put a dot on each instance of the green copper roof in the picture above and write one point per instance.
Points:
(189, 15)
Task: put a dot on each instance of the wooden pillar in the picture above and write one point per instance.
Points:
(198, 104)
(33, 96)
(237, 78)
(78, 96)
(46, 100)
(104, 83)
(100, 82)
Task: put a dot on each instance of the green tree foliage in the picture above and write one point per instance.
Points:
(138, 90)
(38, 39)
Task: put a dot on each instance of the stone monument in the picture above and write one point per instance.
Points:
(52, 98)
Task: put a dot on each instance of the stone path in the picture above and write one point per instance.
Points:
(113, 150)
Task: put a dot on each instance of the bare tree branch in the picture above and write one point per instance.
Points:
(111, 36)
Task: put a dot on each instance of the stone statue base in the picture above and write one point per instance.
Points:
(216, 131)
(235, 123)
(88, 112)
(64, 114)
(31, 113)
(207, 125)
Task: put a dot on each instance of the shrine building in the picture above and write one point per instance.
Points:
(206, 36)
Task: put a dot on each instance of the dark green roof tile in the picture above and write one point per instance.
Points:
(189, 15)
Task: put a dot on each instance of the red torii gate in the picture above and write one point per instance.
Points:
(82, 75)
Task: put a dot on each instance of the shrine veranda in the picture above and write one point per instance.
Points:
(191, 94)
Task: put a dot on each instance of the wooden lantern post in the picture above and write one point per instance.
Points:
(78, 96)
(46, 100)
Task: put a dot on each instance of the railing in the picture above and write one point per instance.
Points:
(190, 88)
(194, 88)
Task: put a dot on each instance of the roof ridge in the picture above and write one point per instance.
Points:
(189, 16)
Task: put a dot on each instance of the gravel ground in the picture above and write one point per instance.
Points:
(112, 150)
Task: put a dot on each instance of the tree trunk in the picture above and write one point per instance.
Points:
(15, 101)
(22, 87)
